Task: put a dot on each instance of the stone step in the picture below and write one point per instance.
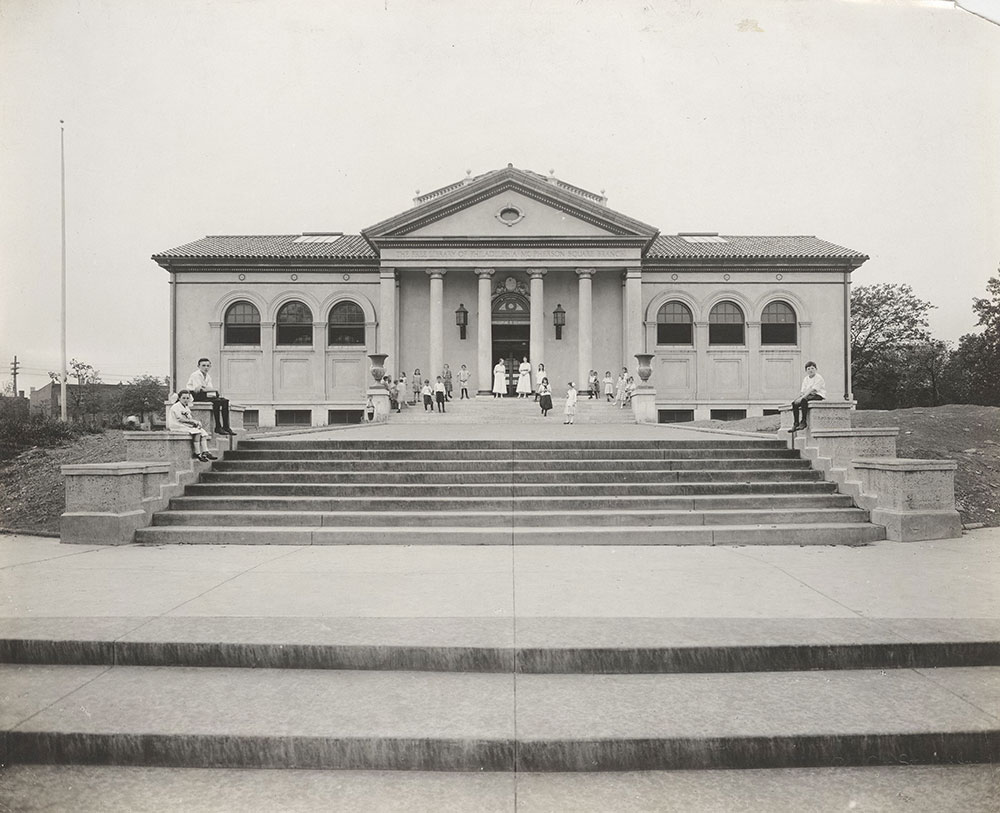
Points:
(292, 718)
(653, 445)
(844, 533)
(759, 485)
(517, 519)
(524, 645)
(501, 478)
(509, 504)
(473, 454)
(510, 467)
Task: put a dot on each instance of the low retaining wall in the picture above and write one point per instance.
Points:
(107, 502)
(913, 499)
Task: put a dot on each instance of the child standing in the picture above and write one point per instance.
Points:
(463, 381)
(440, 393)
(544, 397)
(593, 391)
(570, 409)
(446, 376)
(609, 386)
(181, 419)
(417, 386)
(404, 388)
(428, 394)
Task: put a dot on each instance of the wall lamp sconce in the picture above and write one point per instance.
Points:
(462, 320)
(559, 320)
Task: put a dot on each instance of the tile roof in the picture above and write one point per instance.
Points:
(344, 247)
(674, 246)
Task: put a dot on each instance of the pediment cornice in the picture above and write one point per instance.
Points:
(395, 229)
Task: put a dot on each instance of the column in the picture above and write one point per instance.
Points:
(755, 369)
(485, 337)
(436, 321)
(585, 343)
(387, 318)
(633, 317)
(536, 342)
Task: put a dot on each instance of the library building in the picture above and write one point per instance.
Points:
(511, 265)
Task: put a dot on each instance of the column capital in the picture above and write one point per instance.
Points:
(536, 273)
(485, 273)
(387, 273)
(436, 273)
(633, 273)
(585, 273)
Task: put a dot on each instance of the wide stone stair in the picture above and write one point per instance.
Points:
(480, 694)
(594, 492)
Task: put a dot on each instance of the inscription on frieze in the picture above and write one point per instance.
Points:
(508, 253)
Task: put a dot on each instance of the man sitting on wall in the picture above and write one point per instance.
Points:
(813, 389)
(201, 386)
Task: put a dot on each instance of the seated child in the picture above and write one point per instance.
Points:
(180, 419)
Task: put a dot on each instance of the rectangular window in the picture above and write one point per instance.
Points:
(728, 414)
(242, 334)
(292, 334)
(772, 412)
(293, 417)
(725, 333)
(344, 416)
(675, 415)
(251, 417)
(780, 333)
(674, 333)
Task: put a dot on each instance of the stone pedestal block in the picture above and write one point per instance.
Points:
(107, 502)
(838, 448)
(915, 499)
(379, 396)
(644, 404)
(202, 410)
(822, 415)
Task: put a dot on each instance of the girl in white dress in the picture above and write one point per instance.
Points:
(499, 379)
(570, 409)
(524, 379)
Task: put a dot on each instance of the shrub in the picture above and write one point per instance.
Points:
(18, 432)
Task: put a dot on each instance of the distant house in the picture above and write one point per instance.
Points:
(83, 400)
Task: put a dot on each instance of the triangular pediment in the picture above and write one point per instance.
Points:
(510, 204)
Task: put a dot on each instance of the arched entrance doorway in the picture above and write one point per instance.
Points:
(511, 333)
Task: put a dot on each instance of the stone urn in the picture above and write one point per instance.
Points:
(645, 369)
(378, 365)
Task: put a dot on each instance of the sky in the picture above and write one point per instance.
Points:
(874, 124)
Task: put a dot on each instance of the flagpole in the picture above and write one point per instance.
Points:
(62, 325)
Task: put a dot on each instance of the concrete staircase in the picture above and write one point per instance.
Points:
(588, 492)
(475, 694)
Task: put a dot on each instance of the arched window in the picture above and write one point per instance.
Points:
(778, 324)
(346, 324)
(242, 324)
(725, 324)
(294, 324)
(674, 324)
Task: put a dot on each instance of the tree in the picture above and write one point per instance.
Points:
(887, 321)
(85, 397)
(141, 395)
(977, 359)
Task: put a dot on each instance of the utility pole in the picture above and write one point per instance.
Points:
(13, 372)
(62, 189)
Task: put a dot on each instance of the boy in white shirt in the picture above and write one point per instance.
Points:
(813, 389)
(180, 419)
(201, 387)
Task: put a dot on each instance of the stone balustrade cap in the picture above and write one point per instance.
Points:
(904, 464)
(871, 432)
(119, 469)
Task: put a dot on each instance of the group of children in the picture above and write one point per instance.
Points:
(423, 390)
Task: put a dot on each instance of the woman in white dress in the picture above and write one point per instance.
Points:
(499, 379)
(570, 409)
(524, 379)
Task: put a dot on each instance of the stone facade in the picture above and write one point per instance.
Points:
(289, 320)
